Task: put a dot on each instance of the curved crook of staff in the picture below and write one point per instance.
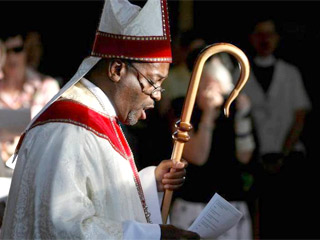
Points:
(181, 136)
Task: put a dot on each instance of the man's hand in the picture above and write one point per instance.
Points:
(171, 232)
(170, 175)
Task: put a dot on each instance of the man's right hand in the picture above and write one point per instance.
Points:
(171, 232)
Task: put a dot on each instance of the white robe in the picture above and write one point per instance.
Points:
(70, 183)
(274, 111)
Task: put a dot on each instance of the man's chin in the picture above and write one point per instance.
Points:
(129, 122)
(132, 118)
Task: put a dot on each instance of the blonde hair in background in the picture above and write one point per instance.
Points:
(219, 72)
(2, 54)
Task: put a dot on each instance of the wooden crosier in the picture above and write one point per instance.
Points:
(183, 126)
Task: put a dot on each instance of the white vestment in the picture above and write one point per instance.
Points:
(70, 183)
(273, 112)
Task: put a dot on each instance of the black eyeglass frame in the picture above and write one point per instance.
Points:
(156, 88)
(15, 49)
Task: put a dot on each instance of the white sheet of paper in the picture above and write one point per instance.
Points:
(216, 218)
(14, 121)
(5, 187)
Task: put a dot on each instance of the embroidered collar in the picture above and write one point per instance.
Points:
(101, 97)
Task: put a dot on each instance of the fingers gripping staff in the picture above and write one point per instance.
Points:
(181, 136)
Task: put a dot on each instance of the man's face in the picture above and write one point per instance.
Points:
(137, 91)
(265, 38)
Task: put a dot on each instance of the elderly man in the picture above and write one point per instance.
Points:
(75, 175)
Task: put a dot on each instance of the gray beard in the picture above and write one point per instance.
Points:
(132, 117)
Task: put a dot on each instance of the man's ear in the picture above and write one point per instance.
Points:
(116, 70)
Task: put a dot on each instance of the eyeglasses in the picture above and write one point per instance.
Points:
(15, 49)
(156, 90)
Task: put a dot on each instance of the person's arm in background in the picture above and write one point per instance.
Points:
(244, 139)
(301, 104)
(295, 131)
(197, 150)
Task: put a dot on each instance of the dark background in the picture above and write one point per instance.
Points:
(68, 28)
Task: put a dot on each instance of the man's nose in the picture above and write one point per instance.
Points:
(156, 95)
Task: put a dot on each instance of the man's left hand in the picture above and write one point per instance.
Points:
(170, 175)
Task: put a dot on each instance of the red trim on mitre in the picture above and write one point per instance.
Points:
(108, 46)
(141, 48)
(71, 112)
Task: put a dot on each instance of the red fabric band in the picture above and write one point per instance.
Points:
(74, 113)
(107, 45)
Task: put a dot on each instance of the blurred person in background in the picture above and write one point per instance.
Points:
(219, 151)
(22, 87)
(279, 106)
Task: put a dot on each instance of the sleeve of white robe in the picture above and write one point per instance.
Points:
(63, 163)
